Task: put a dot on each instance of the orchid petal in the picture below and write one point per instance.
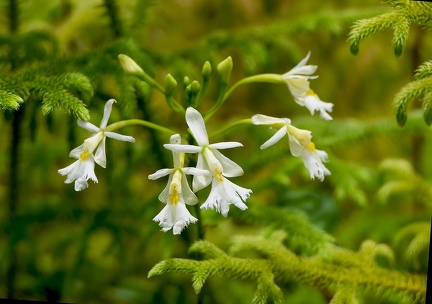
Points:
(195, 171)
(107, 113)
(303, 61)
(305, 70)
(275, 138)
(296, 147)
(196, 125)
(88, 126)
(183, 148)
(67, 171)
(177, 159)
(201, 181)
(164, 195)
(188, 196)
(119, 136)
(226, 145)
(260, 119)
(160, 173)
(230, 168)
(81, 184)
(76, 152)
(313, 162)
(100, 155)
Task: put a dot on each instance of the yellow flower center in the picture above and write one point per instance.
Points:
(175, 187)
(174, 194)
(218, 174)
(84, 155)
(311, 147)
(311, 92)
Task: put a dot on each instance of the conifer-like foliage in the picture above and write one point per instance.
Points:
(148, 97)
(268, 262)
(404, 14)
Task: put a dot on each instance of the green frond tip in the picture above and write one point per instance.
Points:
(401, 114)
(267, 291)
(417, 89)
(344, 295)
(9, 101)
(414, 241)
(206, 249)
(400, 36)
(404, 14)
(63, 99)
(367, 27)
(173, 265)
(427, 108)
(423, 71)
(79, 83)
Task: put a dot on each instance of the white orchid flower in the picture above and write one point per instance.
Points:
(299, 142)
(100, 134)
(297, 80)
(176, 194)
(80, 171)
(224, 192)
(83, 169)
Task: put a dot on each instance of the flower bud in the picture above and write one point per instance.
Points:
(206, 70)
(194, 87)
(130, 66)
(186, 81)
(224, 68)
(170, 84)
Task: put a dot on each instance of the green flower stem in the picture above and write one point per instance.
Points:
(219, 102)
(272, 78)
(146, 78)
(246, 121)
(224, 94)
(173, 104)
(130, 122)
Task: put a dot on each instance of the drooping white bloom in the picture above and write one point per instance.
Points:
(100, 134)
(80, 171)
(176, 194)
(223, 192)
(299, 142)
(297, 80)
(313, 160)
(83, 169)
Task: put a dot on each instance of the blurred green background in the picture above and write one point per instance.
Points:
(98, 245)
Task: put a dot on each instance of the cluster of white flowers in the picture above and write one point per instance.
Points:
(300, 140)
(83, 169)
(212, 167)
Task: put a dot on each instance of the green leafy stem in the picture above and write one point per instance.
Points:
(337, 270)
